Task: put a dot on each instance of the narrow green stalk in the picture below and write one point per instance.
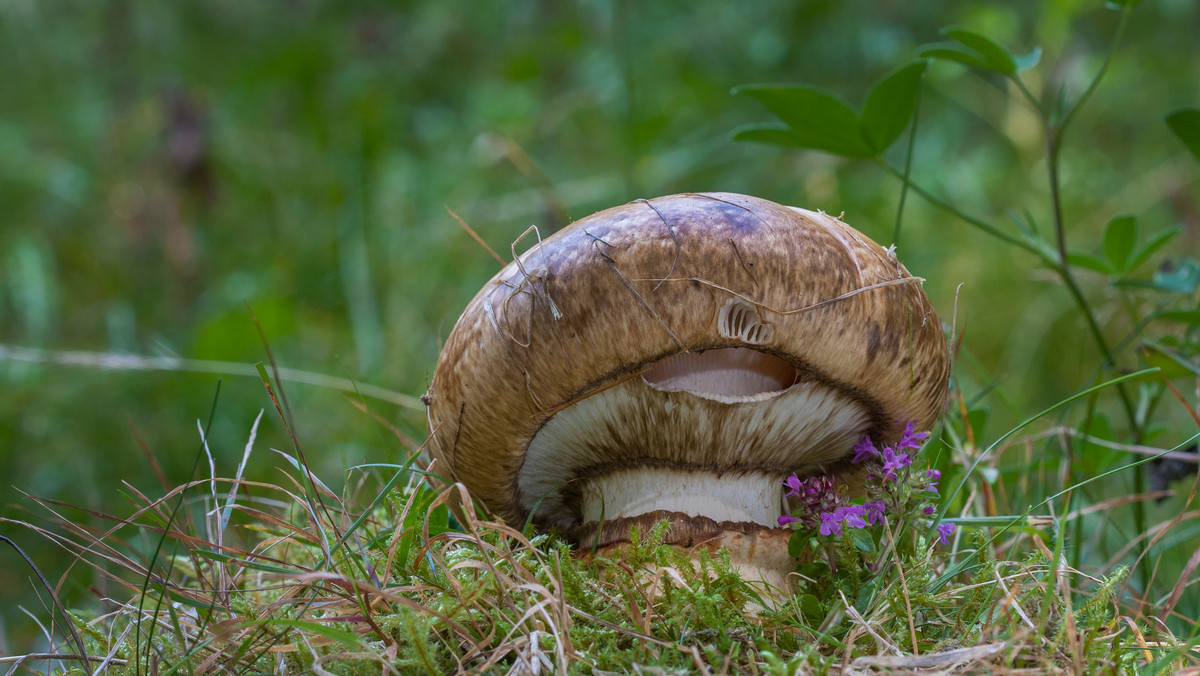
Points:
(170, 560)
(1108, 57)
(1060, 238)
(912, 140)
(962, 215)
(1054, 139)
(1064, 273)
(1033, 100)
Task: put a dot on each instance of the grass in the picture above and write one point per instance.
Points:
(400, 573)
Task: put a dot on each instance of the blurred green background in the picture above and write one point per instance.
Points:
(168, 167)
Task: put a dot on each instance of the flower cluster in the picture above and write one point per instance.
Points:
(892, 460)
(818, 504)
(814, 497)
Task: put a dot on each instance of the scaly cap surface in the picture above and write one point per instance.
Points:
(615, 295)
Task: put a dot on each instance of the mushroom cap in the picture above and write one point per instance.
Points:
(820, 312)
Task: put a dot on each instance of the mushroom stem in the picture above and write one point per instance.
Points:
(743, 497)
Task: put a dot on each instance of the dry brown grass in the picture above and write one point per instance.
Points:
(392, 575)
(287, 582)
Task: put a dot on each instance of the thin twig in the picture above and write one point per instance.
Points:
(474, 235)
(912, 628)
(132, 362)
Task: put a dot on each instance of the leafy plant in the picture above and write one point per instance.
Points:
(817, 120)
(809, 118)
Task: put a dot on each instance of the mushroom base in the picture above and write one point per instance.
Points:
(758, 554)
(705, 512)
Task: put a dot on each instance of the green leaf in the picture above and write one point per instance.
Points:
(1028, 227)
(1124, 3)
(1156, 242)
(798, 543)
(1090, 262)
(1094, 455)
(861, 539)
(890, 105)
(1059, 106)
(1025, 223)
(1185, 123)
(1181, 316)
(948, 51)
(769, 133)
(811, 606)
(990, 52)
(1173, 364)
(818, 120)
(438, 521)
(813, 569)
(1119, 239)
(866, 595)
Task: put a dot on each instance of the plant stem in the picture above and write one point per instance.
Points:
(1064, 273)
(1033, 101)
(912, 141)
(1108, 57)
(962, 215)
(1059, 266)
(1054, 139)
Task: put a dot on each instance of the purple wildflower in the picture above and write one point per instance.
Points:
(830, 524)
(934, 477)
(810, 498)
(818, 487)
(833, 522)
(864, 450)
(929, 510)
(944, 529)
(892, 462)
(875, 511)
(794, 484)
(787, 519)
(854, 515)
(911, 438)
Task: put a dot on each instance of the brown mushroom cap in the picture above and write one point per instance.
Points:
(606, 348)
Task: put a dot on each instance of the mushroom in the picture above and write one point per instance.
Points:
(675, 358)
